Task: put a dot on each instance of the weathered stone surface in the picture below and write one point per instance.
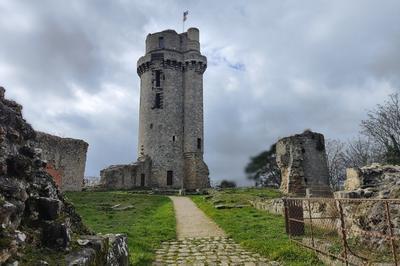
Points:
(33, 212)
(373, 181)
(65, 158)
(49, 209)
(303, 164)
(56, 235)
(126, 176)
(352, 181)
(118, 250)
(274, 206)
(82, 257)
(109, 250)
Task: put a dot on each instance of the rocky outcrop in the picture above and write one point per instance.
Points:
(65, 159)
(373, 181)
(303, 164)
(33, 213)
(100, 250)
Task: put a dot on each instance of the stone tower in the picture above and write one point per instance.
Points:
(303, 164)
(171, 110)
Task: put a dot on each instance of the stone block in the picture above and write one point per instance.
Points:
(56, 235)
(109, 250)
(49, 209)
(353, 179)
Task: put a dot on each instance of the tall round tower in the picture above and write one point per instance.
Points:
(171, 110)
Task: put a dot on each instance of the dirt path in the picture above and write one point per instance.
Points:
(202, 242)
(192, 222)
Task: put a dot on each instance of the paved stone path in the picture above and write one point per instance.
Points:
(202, 242)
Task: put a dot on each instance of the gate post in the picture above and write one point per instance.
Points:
(294, 217)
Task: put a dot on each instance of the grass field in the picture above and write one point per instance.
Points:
(256, 230)
(241, 196)
(147, 221)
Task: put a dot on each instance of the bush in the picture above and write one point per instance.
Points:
(227, 184)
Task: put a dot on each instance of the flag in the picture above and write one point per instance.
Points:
(185, 15)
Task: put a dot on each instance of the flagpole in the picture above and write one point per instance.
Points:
(184, 19)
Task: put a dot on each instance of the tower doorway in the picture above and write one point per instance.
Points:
(170, 174)
(142, 180)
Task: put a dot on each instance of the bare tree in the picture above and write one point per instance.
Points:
(355, 153)
(383, 127)
(335, 151)
(363, 151)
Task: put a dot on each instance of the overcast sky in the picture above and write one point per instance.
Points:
(275, 68)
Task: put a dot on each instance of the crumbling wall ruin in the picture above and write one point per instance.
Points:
(303, 164)
(65, 158)
(372, 181)
(34, 215)
(127, 176)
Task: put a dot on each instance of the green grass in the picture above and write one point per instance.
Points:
(256, 230)
(241, 196)
(150, 221)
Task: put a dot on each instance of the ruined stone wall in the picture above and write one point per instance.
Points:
(303, 164)
(372, 181)
(127, 176)
(34, 215)
(66, 160)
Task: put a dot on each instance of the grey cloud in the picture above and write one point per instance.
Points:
(275, 68)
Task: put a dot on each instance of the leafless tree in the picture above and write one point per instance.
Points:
(383, 127)
(355, 153)
(335, 151)
(363, 151)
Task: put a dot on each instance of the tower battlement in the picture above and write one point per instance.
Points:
(171, 40)
(170, 49)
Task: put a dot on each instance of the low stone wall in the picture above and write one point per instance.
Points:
(274, 206)
(66, 160)
(126, 176)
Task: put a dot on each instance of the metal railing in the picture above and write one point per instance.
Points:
(354, 231)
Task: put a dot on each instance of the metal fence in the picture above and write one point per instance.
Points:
(354, 231)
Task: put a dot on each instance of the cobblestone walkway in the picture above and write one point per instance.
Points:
(202, 242)
(207, 251)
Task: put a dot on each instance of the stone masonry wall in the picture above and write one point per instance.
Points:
(127, 176)
(303, 164)
(196, 172)
(171, 133)
(66, 160)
